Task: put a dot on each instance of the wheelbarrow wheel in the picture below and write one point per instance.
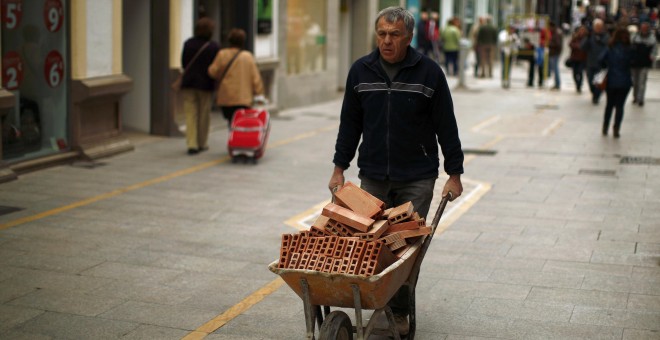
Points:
(336, 326)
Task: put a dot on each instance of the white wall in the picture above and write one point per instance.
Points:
(99, 38)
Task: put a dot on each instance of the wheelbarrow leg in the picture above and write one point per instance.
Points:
(310, 311)
(359, 330)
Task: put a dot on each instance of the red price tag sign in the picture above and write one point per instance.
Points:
(53, 15)
(12, 70)
(54, 68)
(12, 12)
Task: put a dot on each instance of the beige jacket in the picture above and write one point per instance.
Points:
(241, 82)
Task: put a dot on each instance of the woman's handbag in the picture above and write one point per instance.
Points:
(600, 80)
(569, 63)
(176, 85)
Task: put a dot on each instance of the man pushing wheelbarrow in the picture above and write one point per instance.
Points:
(398, 102)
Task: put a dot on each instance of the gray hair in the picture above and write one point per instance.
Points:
(394, 14)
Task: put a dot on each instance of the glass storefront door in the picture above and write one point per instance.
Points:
(34, 56)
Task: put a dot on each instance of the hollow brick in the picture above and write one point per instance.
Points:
(354, 198)
(295, 257)
(407, 225)
(401, 212)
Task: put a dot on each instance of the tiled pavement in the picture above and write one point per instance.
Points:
(555, 236)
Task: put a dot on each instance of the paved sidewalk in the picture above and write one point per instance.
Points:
(556, 236)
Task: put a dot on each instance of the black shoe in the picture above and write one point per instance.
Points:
(616, 133)
(193, 151)
(594, 101)
(579, 90)
(641, 103)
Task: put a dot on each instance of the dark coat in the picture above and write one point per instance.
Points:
(617, 61)
(401, 122)
(197, 77)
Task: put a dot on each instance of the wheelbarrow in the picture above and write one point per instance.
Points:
(320, 291)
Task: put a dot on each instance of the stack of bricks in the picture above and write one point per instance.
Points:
(354, 235)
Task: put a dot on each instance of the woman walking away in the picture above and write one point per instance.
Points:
(578, 56)
(197, 86)
(617, 60)
(237, 74)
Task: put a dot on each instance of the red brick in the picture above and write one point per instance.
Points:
(354, 198)
(295, 257)
(347, 217)
(375, 231)
(339, 249)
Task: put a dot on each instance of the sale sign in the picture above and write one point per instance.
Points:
(54, 68)
(12, 70)
(53, 15)
(12, 12)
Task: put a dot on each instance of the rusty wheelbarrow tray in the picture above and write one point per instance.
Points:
(318, 290)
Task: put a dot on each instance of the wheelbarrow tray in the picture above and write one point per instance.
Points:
(327, 289)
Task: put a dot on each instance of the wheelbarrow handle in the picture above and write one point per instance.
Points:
(441, 209)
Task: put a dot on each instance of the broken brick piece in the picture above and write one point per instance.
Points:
(354, 198)
(347, 217)
(321, 221)
(408, 225)
(415, 233)
(401, 213)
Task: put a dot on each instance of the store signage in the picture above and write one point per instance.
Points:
(12, 12)
(54, 68)
(12, 70)
(53, 15)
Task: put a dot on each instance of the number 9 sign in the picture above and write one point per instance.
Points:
(53, 15)
(54, 68)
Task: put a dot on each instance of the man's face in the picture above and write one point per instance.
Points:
(392, 40)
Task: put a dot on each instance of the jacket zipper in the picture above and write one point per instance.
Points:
(387, 135)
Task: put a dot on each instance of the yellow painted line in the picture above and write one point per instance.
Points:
(235, 311)
(296, 221)
(150, 182)
(464, 204)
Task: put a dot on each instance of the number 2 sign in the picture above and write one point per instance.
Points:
(53, 15)
(12, 70)
(54, 68)
(12, 11)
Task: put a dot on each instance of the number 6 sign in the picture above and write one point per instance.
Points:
(54, 68)
(53, 15)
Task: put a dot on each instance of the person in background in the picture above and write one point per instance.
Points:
(486, 40)
(555, 47)
(578, 57)
(474, 30)
(509, 42)
(616, 60)
(196, 85)
(398, 107)
(451, 42)
(241, 81)
(644, 50)
(595, 45)
(423, 42)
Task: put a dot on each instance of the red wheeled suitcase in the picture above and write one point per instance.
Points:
(248, 134)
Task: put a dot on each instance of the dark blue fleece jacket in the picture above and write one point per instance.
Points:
(401, 122)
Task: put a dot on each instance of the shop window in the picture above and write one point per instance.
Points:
(306, 36)
(34, 69)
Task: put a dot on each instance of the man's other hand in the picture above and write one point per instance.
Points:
(454, 186)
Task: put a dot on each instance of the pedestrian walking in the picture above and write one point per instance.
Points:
(578, 57)
(451, 42)
(239, 80)
(486, 40)
(644, 50)
(398, 107)
(508, 41)
(196, 85)
(424, 44)
(595, 45)
(475, 45)
(555, 47)
(616, 60)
